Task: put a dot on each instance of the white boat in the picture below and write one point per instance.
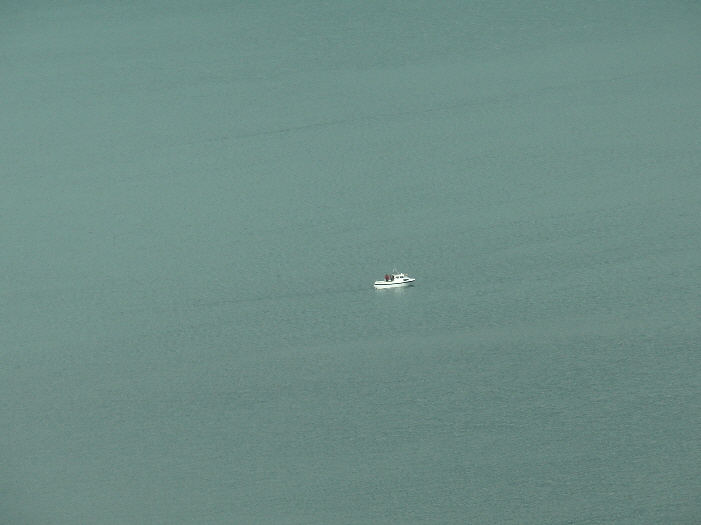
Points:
(394, 280)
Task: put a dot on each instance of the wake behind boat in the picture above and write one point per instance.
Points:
(395, 280)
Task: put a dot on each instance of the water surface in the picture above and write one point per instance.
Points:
(196, 201)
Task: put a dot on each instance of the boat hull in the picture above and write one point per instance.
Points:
(393, 284)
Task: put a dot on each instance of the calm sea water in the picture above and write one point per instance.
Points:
(197, 197)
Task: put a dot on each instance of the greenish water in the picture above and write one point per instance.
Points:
(197, 199)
